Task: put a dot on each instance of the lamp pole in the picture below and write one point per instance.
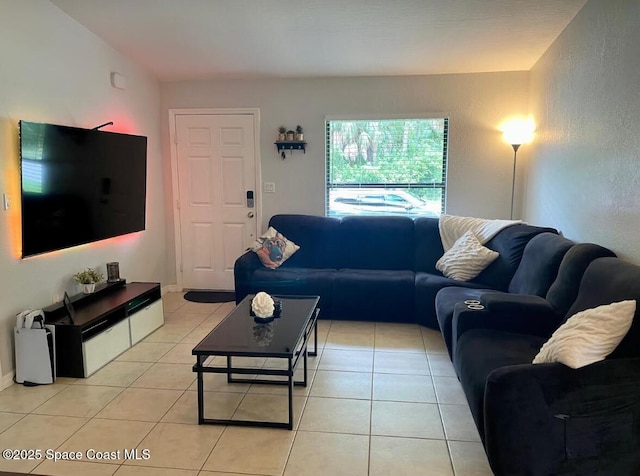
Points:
(513, 179)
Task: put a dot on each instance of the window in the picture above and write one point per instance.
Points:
(32, 146)
(386, 167)
(31, 176)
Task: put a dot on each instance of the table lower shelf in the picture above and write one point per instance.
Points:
(230, 371)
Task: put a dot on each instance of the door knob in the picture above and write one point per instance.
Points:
(250, 214)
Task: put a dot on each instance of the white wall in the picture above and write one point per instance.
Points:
(54, 70)
(585, 97)
(480, 164)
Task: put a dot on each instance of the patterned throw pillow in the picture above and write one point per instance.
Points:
(466, 258)
(273, 248)
(588, 336)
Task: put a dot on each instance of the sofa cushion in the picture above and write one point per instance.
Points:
(608, 280)
(316, 236)
(564, 289)
(479, 352)
(427, 286)
(376, 242)
(465, 259)
(374, 295)
(589, 336)
(428, 245)
(539, 265)
(298, 282)
(510, 243)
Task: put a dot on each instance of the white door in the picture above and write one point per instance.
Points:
(216, 168)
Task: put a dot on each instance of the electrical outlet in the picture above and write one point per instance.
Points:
(269, 187)
(55, 298)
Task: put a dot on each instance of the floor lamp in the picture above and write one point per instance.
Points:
(516, 133)
(513, 179)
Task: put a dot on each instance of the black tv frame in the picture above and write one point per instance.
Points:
(92, 186)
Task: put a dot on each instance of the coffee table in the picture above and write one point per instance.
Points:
(242, 335)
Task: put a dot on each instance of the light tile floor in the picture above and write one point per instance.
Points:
(383, 399)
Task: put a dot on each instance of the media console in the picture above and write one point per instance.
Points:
(105, 324)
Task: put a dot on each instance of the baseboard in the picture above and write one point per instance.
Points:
(7, 380)
(169, 288)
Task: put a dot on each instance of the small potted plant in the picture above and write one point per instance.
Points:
(282, 131)
(299, 133)
(290, 135)
(88, 279)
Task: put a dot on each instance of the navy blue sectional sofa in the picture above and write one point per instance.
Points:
(374, 268)
(539, 419)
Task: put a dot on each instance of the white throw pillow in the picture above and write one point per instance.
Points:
(588, 336)
(466, 259)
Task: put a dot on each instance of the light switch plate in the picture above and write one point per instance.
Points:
(6, 201)
(269, 187)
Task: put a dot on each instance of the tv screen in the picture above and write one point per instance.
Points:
(79, 186)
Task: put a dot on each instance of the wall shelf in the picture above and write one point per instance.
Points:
(282, 145)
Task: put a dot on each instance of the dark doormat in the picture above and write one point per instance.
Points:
(210, 296)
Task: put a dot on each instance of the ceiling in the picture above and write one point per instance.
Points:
(203, 39)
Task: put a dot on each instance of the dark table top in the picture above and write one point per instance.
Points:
(240, 334)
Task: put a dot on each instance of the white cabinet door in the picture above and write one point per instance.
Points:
(145, 321)
(104, 347)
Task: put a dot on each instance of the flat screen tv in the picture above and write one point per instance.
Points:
(79, 186)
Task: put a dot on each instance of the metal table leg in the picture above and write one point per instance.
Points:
(200, 361)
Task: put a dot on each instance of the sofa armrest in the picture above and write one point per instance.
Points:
(550, 419)
(243, 270)
(522, 315)
(247, 262)
(515, 303)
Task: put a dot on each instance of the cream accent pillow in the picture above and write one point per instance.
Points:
(466, 259)
(588, 336)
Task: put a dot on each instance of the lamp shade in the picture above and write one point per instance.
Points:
(518, 131)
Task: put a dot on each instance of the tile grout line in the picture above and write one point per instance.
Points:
(371, 406)
(444, 431)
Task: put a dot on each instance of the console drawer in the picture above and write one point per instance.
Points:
(104, 347)
(145, 321)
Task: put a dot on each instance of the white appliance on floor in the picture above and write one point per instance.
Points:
(34, 349)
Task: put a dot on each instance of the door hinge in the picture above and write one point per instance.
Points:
(178, 204)
(181, 267)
